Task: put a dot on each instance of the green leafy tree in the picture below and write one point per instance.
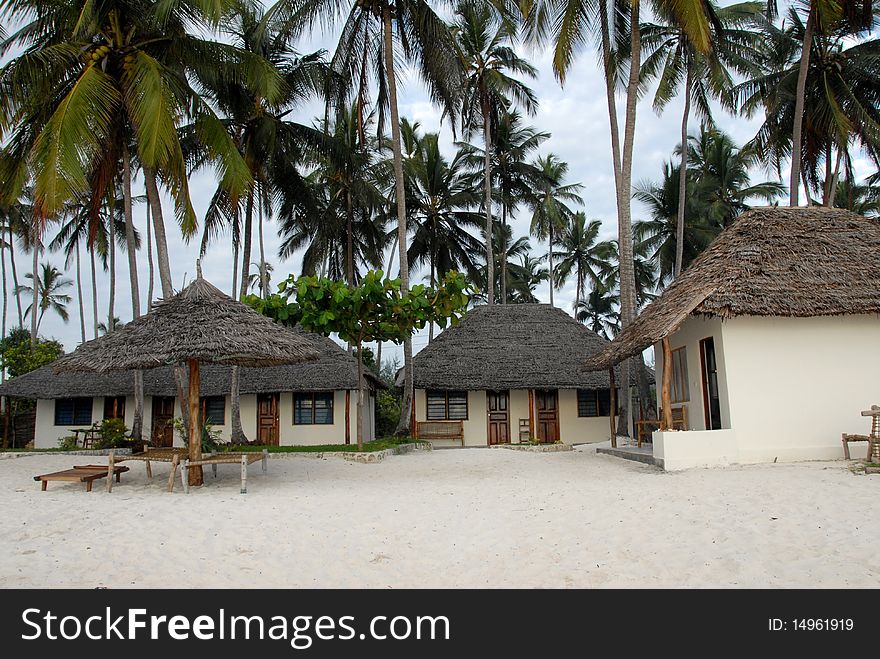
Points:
(19, 356)
(581, 254)
(377, 309)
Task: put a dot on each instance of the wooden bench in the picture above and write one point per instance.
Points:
(437, 430)
(214, 459)
(873, 439)
(81, 473)
(679, 422)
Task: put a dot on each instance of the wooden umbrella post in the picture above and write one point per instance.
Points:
(195, 439)
(613, 416)
(665, 390)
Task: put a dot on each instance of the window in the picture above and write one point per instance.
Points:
(680, 393)
(73, 411)
(214, 410)
(594, 402)
(313, 409)
(447, 405)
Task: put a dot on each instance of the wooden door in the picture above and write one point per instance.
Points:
(162, 432)
(547, 413)
(267, 419)
(497, 405)
(114, 407)
(711, 397)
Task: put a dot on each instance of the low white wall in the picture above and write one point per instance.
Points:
(695, 448)
(574, 429)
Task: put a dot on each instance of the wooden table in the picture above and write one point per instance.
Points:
(89, 435)
(81, 473)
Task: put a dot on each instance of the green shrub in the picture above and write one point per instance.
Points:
(210, 437)
(67, 443)
(113, 434)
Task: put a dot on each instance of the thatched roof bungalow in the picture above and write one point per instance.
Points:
(308, 403)
(772, 336)
(513, 372)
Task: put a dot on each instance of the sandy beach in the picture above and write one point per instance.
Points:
(447, 518)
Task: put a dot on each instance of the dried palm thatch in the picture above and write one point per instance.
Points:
(200, 323)
(511, 346)
(776, 261)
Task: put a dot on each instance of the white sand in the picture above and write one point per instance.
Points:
(453, 518)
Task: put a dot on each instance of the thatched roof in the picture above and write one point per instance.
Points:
(335, 369)
(511, 346)
(201, 323)
(777, 261)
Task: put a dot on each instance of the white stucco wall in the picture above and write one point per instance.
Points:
(789, 387)
(46, 434)
(688, 336)
(797, 383)
(572, 429)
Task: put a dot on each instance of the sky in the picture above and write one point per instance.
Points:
(576, 116)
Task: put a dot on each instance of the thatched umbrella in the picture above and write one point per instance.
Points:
(200, 324)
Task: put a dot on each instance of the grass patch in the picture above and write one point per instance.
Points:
(375, 445)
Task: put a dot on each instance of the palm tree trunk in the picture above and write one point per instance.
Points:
(79, 293)
(487, 184)
(35, 266)
(503, 250)
(159, 227)
(550, 262)
(94, 292)
(234, 289)
(832, 193)
(682, 179)
(237, 431)
(5, 295)
(111, 249)
(400, 196)
(799, 101)
(360, 401)
(246, 251)
(137, 422)
(264, 284)
(610, 96)
(624, 219)
(433, 282)
(150, 264)
(15, 275)
(349, 239)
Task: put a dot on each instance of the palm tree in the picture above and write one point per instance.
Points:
(516, 250)
(438, 196)
(863, 199)
(100, 84)
(598, 311)
(483, 40)
(569, 25)
(116, 324)
(830, 106)
(676, 61)
(514, 177)
(49, 286)
(14, 224)
(366, 53)
(583, 255)
(550, 212)
(525, 277)
(825, 17)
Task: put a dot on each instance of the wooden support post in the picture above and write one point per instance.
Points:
(612, 385)
(195, 435)
(184, 476)
(110, 469)
(531, 414)
(149, 469)
(413, 430)
(665, 390)
(265, 460)
(244, 474)
(214, 470)
(347, 416)
(174, 461)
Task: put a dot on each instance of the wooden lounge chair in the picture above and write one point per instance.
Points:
(453, 430)
(873, 439)
(83, 474)
(157, 454)
(214, 459)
